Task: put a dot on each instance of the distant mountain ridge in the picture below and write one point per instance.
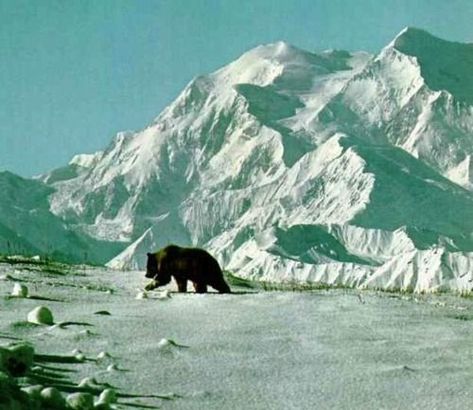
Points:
(27, 226)
(337, 167)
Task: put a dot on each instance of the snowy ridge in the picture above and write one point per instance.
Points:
(293, 166)
(27, 226)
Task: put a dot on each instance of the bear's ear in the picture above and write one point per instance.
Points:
(148, 254)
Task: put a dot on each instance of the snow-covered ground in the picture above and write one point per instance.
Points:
(325, 349)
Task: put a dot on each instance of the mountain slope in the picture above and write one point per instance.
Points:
(219, 133)
(27, 226)
(414, 95)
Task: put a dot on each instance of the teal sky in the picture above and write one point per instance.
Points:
(74, 72)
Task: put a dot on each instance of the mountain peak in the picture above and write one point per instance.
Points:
(279, 50)
(416, 38)
(283, 63)
(445, 65)
(284, 53)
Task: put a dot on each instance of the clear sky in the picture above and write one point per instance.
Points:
(74, 72)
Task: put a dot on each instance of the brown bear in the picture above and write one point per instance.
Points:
(185, 264)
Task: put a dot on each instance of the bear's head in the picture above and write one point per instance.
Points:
(151, 266)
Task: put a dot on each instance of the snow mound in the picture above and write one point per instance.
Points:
(19, 290)
(80, 401)
(165, 345)
(52, 398)
(41, 315)
(103, 356)
(108, 396)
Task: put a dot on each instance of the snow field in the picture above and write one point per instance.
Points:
(338, 349)
(42, 381)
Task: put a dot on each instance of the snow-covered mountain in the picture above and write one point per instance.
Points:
(27, 226)
(334, 167)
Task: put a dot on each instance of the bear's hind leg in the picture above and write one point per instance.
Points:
(181, 285)
(200, 287)
(221, 286)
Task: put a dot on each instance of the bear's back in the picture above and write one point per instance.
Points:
(196, 257)
(201, 258)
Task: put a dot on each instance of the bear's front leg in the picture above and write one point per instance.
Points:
(181, 285)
